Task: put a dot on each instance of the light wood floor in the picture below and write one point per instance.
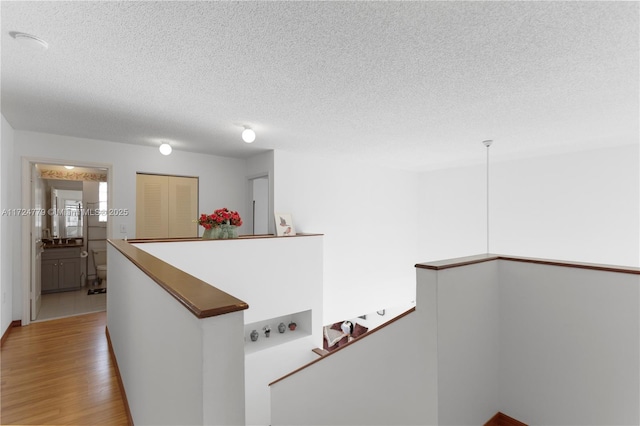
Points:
(60, 372)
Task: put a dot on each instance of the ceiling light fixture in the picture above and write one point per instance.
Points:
(69, 167)
(248, 135)
(30, 41)
(165, 149)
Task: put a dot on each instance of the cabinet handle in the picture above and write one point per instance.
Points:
(61, 263)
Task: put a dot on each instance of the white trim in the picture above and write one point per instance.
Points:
(25, 255)
(25, 252)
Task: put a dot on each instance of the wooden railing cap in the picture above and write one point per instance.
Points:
(202, 299)
(480, 258)
(240, 238)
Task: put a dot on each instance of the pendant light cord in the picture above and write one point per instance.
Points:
(488, 199)
(487, 143)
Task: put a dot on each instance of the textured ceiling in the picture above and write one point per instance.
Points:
(412, 85)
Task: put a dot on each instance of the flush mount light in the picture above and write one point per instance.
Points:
(69, 167)
(248, 135)
(165, 149)
(30, 41)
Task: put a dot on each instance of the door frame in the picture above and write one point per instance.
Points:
(36, 252)
(26, 258)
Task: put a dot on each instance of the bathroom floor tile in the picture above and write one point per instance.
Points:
(69, 303)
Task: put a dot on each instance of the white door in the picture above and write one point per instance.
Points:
(260, 205)
(37, 223)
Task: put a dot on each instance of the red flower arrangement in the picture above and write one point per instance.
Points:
(220, 217)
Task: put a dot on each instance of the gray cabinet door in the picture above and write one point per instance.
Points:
(49, 275)
(69, 273)
(60, 270)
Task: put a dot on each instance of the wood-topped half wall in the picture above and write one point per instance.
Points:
(180, 367)
(488, 332)
(200, 298)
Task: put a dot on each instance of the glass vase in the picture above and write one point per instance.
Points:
(211, 234)
(228, 231)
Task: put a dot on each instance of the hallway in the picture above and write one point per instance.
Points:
(60, 372)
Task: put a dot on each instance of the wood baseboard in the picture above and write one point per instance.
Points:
(16, 323)
(501, 419)
(120, 383)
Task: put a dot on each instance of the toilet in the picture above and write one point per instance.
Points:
(100, 262)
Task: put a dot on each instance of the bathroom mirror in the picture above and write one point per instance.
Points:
(66, 213)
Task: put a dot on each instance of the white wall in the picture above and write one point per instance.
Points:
(176, 368)
(387, 378)
(223, 389)
(544, 344)
(581, 206)
(266, 366)
(468, 341)
(222, 180)
(369, 216)
(569, 345)
(7, 313)
(374, 320)
(452, 213)
(277, 277)
(141, 315)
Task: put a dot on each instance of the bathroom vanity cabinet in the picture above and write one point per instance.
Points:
(60, 269)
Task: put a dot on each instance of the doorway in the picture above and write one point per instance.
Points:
(259, 205)
(57, 266)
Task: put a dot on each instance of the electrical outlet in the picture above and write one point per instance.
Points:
(123, 229)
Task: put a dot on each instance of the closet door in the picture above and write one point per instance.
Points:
(152, 206)
(183, 207)
(166, 206)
